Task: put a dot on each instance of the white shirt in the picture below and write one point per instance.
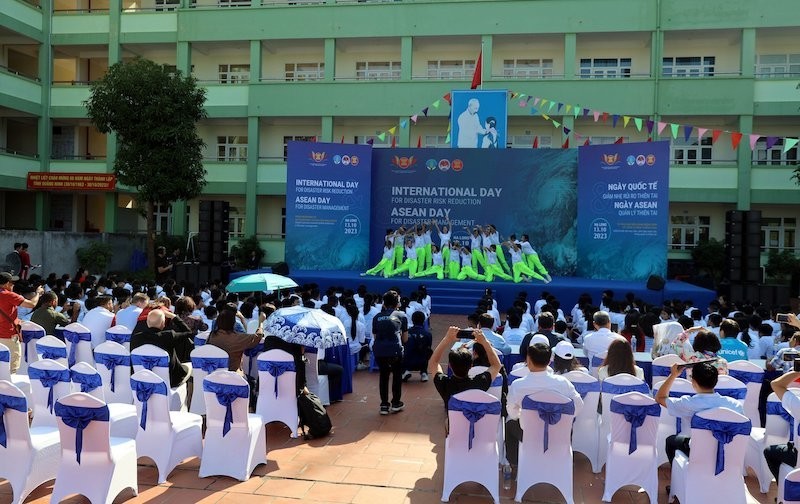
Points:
(411, 253)
(528, 323)
(444, 239)
(537, 306)
(469, 126)
(98, 321)
(466, 260)
(436, 259)
(475, 242)
(536, 382)
(526, 248)
(602, 373)
(514, 335)
(127, 316)
(598, 342)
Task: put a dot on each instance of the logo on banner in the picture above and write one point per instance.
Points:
(318, 159)
(640, 160)
(345, 160)
(651, 159)
(430, 164)
(458, 165)
(404, 162)
(610, 161)
(631, 160)
(354, 160)
(444, 164)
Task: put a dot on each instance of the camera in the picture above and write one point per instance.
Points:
(466, 334)
(782, 317)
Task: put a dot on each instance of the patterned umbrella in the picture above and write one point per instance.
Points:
(306, 326)
(260, 282)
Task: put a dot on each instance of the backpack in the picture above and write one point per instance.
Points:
(313, 415)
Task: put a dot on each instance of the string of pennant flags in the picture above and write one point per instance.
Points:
(545, 107)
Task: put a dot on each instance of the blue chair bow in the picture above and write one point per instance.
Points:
(29, 335)
(117, 337)
(143, 391)
(665, 371)
(150, 361)
(610, 388)
(498, 381)
(198, 342)
(597, 361)
(111, 361)
(49, 378)
(210, 364)
(251, 354)
(226, 395)
(584, 388)
(735, 393)
(747, 376)
(776, 408)
(50, 352)
(5, 356)
(276, 368)
(79, 417)
(10, 402)
(635, 415)
(550, 413)
(791, 490)
(473, 412)
(74, 338)
(512, 378)
(678, 420)
(88, 382)
(723, 432)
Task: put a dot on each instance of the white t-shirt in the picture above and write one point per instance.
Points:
(98, 321)
(128, 316)
(538, 381)
(598, 341)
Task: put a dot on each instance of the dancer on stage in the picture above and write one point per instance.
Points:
(437, 268)
(384, 267)
(410, 264)
(467, 270)
(454, 266)
(532, 258)
(476, 246)
(492, 237)
(493, 269)
(518, 266)
(428, 242)
(419, 245)
(396, 239)
(445, 232)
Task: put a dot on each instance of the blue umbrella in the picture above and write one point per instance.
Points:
(260, 282)
(306, 326)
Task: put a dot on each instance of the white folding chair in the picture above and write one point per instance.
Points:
(662, 366)
(316, 383)
(50, 347)
(518, 373)
(30, 332)
(277, 389)
(20, 381)
(731, 387)
(610, 388)
(231, 429)
(167, 437)
(119, 334)
(93, 463)
(791, 488)
(545, 453)
(122, 417)
(779, 430)
(201, 338)
(250, 362)
(586, 430)
(753, 377)
(205, 360)
(669, 425)
(632, 444)
(28, 456)
(595, 362)
(155, 359)
(49, 382)
(470, 449)
(784, 468)
(496, 389)
(114, 366)
(79, 344)
(713, 470)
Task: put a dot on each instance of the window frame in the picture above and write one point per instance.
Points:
(698, 226)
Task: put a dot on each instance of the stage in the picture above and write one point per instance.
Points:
(461, 297)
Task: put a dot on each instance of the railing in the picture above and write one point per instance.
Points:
(72, 83)
(80, 11)
(78, 157)
(6, 69)
(14, 152)
(704, 162)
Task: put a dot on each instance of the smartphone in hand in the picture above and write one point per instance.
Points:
(466, 334)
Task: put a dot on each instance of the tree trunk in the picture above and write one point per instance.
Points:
(151, 236)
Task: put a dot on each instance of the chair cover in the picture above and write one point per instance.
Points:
(50, 347)
(93, 464)
(631, 444)
(119, 334)
(662, 366)
(201, 338)
(205, 360)
(586, 429)
(669, 425)
(154, 359)
(230, 428)
(791, 488)
(114, 365)
(753, 377)
(79, 344)
(28, 457)
(779, 429)
(609, 388)
(31, 333)
(122, 417)
(49, 382)
(470, 452)
(277, 393)
(22, 382)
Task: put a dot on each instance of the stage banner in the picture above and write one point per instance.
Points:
(479, 119)
(623, 210)
(327, 206)
(531, 191)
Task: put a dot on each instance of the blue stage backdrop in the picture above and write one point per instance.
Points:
(327, 206)
(529, 191)
(479, 119)
(623, 210)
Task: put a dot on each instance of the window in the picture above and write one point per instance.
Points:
(234, 74)
(605, 140)
(299, 138)
(167, 5)
(527, 68)
(376, 142)
(174, 69)
(235, 223)
(163, 218)
(688, 66)
(450, 69)
(778, 233)
(378, 70)
(296, 72)
(526, 141)
(608, 68)
(693, 152)
(777, 65)
(774, 155)
(689, 230)
(233, 3)
(283, 222)
(437, 141)
(232, 148)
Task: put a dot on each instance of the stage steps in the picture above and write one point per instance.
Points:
(461, 299)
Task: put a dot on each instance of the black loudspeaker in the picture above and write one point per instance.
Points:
(655, 283)
(281, 268)
(188, 273)
(214, 226)
(743, 245)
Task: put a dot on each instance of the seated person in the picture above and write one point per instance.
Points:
(417, 349)
(169, 340)
(704, 379)
(619, 359)
(706, 345)
(460, 361)
(232, 342)
(564, 359)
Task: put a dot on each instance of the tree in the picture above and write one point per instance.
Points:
(710, 256)
(154, 111)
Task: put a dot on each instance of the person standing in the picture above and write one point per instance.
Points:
(9, 302)
(390, 330)
(163, 266)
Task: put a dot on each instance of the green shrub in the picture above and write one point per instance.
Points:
(95, 256)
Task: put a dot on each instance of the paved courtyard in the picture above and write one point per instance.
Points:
(369, 459)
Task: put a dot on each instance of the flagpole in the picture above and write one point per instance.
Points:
(481, 54)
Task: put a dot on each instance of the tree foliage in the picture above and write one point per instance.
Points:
(710, 257)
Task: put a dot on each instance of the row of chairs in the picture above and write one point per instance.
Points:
(87, 455)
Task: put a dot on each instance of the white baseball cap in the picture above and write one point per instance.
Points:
(539, 338)
(565, 350)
